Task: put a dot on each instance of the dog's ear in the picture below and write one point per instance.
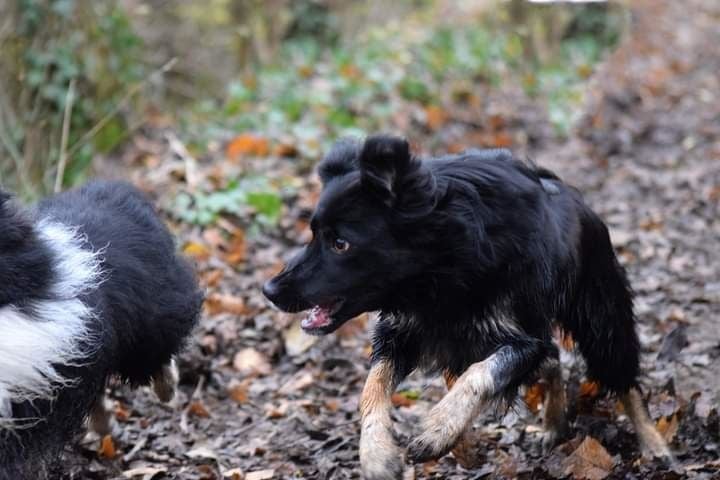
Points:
(382, 160)
(340, 160)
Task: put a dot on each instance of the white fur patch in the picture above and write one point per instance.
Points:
(48, 332)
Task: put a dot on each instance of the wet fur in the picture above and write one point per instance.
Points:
(139, 309)
(468, 258)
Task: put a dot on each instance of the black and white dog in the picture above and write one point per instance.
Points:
(90, 287)
(472, 260)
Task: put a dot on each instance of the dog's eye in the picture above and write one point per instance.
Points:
(340, 246)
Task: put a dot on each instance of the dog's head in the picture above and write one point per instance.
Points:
(359, 252)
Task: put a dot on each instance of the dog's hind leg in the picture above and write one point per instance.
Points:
(481, 382)
(165, 381)
(651, 442)
(466, 450)
(555, 403)
(380, 457)
(101, 419)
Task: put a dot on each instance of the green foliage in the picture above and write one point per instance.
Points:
(316, 91)
(240, 198)
(55, 43)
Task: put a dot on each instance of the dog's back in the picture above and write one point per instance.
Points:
(116, 301)
(148, 296)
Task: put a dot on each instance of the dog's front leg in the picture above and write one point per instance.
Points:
(482, 381)
(380, 457)
(466, 450)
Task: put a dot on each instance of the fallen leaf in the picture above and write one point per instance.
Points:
(198, 251)
(238, 391)
(534, 397)
(300, 381)
(673, 343)
(107, 447)
(404, 398)
(285, 150)
(122, 414)
(251, 362)
(435, 117)
(668, 428)
(260, 474)
(277, 411)
(589, 389)
(145, 472)
(234, 474)
(212, 278)
(296, 340)
(237, 249)
(501, 140)
(217, 303)
(197, 409)
(589, 461)
(247, 144)
(201, 452)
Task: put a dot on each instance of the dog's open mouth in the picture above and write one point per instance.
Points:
(320, 319)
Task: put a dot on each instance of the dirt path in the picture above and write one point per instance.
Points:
(256, 396)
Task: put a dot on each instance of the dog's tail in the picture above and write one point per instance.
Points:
(599, 311)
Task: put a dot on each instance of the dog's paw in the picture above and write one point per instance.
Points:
(654, 447)
(428, 446)
(380, 457)
(553, 436)
(164, 382)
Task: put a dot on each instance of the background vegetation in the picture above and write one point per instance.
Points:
(295, 74)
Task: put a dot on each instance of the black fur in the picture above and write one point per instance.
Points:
(463, 255)
(146, 306)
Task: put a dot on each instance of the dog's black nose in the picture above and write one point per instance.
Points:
(271, 290)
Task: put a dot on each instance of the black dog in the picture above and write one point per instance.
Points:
(90, 286)
(471, 259)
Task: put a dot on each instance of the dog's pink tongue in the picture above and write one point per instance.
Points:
(317, 318)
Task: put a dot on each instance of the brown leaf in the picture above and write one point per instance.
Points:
(400, 400)
(197, 409)
(236, 249)
(247, 144)
(238, 391)
(122, 414)
(589, 461)
(589, 389)
(212, 278)
(277, 411)
(285, 150)
(234, 474)
(668, 428)
(435, 117)
(251, 362)
(300, 381)
(534, 397)
(217, 303)
(107, 447)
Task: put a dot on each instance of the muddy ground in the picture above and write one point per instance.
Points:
(259, 400)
